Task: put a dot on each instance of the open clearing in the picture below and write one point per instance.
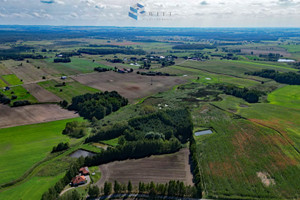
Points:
(132, 85)
(32, 114)
(159, 169)
(288, 96)
(41, 94)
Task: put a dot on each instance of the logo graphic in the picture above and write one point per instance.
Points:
(136, 10)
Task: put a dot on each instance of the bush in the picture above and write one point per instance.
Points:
(60, 147)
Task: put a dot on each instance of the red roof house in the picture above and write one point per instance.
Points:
(78, 180)
(84, 171)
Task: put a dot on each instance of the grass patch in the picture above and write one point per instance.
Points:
(12, 79)
(21, 93)
(2, 83)
(69, 91)
(112, 142)
(23, 146)
(97, 174)
(288, 96)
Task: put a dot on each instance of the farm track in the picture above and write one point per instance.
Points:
(218, 73)
(261, 124)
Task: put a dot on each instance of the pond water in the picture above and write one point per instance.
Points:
(205, 132)
(81, 152)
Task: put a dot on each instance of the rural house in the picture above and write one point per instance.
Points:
(78, 180)
(84, 171)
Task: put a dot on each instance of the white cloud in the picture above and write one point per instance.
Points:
(185, 13)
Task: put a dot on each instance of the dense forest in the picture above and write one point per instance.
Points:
(290, 78)
(97, 105)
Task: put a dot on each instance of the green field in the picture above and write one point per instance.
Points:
(21, 93)
(288, 96)
(12, 79)
(30, 144)
(2, 83)
(71, 89)
(76, 66)
(32, 189)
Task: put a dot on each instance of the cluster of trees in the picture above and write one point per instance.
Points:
(62, 60)
(134, 150)
(97, 105)
(270, 57)
(75, 129)
(167, 63)
(153, 73)
(194, 46)
(108, 132)
(112, 51)
(54, 191)
(115, 60)
(171, 123)
(168, 124)
(4, 99)
(101, 69)
(60, 147)
(249, 95)
(290, 78)
(21, 103)
(171, 189)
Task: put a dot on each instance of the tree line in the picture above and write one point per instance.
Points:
(172, 189)
(97, 105)
(194, 46)
(290, 78)
(112, 51)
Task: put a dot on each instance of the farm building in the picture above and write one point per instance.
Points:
(64, 77)
(84, 171)
(78, 180)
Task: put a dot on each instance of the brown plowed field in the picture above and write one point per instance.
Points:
(132, 85)
(159, 169)
(41, 94)
(32, 114)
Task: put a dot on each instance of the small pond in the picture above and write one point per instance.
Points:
(205, 132)
(81, 152)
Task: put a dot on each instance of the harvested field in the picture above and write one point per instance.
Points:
(41, 94)
(266, 52)
(32, 114)
(159, 169)
(131, 86)
(27, 72)
(4, 70)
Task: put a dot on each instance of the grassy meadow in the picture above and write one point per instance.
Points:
(30, 144)
(12, 79)
(70, 90)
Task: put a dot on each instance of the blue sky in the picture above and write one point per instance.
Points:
(185, 13)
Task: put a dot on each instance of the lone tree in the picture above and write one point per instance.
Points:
(129, 187)
(107, 188)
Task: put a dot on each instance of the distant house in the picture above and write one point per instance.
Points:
(7, 88)
(78, 180)
(122, 71)
(84, 171)
(64, 77)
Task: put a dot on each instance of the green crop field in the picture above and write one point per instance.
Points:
(29, 144)
(12, 79)
(21, 93)
(288, 96)
(76, 66)
(233, 157)
(112, 142)
(31, 189)
(69, 91)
